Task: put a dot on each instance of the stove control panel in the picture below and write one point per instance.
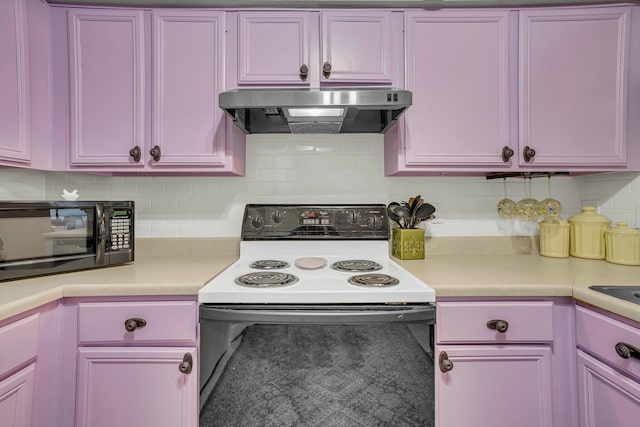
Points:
(315, 222)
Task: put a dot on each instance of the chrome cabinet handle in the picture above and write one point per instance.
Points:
(499, 325)
(304, 72)
(445, 364)
(135, 154)
(627, 351)
(507, 153)
(155, 153)
(134, 323)
(528, 153)
(187, 364)
(326, 70)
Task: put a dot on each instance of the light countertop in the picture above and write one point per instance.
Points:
(454, 267)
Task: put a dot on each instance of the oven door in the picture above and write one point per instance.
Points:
(316, 364)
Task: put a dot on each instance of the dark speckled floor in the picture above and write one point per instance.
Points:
(324, 375)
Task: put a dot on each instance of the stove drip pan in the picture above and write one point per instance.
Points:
(374, 280)
(269, 264)
(353, 265)
(266, 279)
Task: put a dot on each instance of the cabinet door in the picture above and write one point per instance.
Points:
(188, 125)
(273, 48)
(133, 387)
(15, 143)
(606, 397)
(573, 86)
(495, 386)
(106, 86)
(16, 398)
(458, 71)
(356, 47)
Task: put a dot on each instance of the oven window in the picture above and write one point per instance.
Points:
(46, 233)
(326, 375)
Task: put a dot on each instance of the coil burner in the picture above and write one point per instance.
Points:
(269, 264)
(266, 279)
(352, 265)
(374, 280)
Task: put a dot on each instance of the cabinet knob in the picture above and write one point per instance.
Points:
(135, 154)
(507, 153)
(155, 153)
(627, 351)
(445, 364)
(187, 364)
(304, 72)
(135, 322)
(326, 70)
(499, 325)
(528, 153)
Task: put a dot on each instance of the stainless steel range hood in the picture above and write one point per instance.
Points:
(343, 110)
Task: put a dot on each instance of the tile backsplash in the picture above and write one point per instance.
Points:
(324, 169)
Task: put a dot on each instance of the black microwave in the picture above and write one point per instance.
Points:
(38, 238)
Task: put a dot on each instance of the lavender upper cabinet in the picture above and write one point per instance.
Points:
(314, 48)
(15, 143)
(107, 88)
(273, 48)
(141, 101)
(574, 66)
(504, 364)
(457, 66)
(357, 47)
(608, 370)
(188, 125)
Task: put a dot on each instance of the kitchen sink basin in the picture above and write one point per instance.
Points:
(627, 293)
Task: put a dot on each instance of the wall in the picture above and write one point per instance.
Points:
(316, 169)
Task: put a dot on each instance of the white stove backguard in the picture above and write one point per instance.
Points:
(320, 286)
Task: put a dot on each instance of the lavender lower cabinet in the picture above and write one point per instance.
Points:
(136, 387)
(495, 386)
(607, 398)
(505, 363)
(136, 362)
(608, 376)
(16, 398)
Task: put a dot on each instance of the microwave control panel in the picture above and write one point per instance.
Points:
(120, 226)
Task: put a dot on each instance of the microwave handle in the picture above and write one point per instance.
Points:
(101, 240)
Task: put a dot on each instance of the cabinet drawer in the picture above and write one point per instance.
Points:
(18, 343)
(166, 321)
(598, 334)
(466, 322)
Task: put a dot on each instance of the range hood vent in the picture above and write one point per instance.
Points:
(317, 111)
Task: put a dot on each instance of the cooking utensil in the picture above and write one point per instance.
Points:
(423, 213)
(392, 215)
(403, 215)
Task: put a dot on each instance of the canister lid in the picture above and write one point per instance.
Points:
(621, 228)
(589, 216)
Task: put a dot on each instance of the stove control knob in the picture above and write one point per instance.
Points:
(277, 217)
(353, 217)
(375, 222)
(257, 222)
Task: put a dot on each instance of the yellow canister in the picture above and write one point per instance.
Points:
(554, 237)
(623, 244)
(586, 234)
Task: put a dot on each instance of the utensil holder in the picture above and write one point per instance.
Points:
(407, 243)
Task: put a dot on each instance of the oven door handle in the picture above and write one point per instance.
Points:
(315, 315)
